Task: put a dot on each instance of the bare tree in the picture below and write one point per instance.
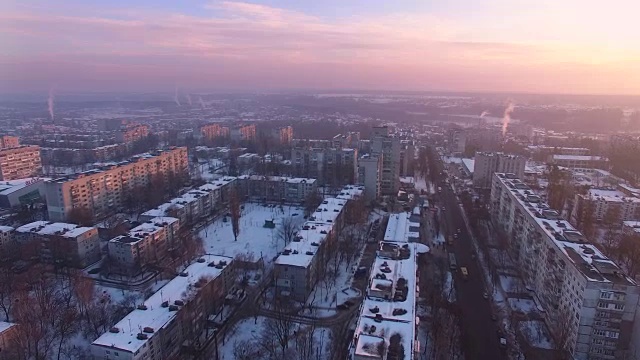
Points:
(562, 329)
(311, 203)
(279, 328)
(287, 230)
(81, 216)
(234, 209)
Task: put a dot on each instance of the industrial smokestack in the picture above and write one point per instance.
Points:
(50, 103)
(189, 99)
(201, 102)
(507, 117)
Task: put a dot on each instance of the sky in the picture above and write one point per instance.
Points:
(532, 46)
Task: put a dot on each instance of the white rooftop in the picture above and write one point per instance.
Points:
(4, 326)
(9, 186)
(578, 157)
(328, 211)
(303, 248)
(291, 180)
(350, 192)
(398, 228)
(156, 316)
(46, 228)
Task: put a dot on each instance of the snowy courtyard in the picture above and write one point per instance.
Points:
(255, 240)
(536, 334)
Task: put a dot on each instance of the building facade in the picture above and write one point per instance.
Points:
(604, 203)
(20, 162)
(275, 188)
(579, 161)
(586, 296)
(330, 166)
(382, 143)
(487, 163)
(132, 133)
(282, 135)
(8, 142)
(245, 132)
(70, 244)
(370, 175)
(101, 192)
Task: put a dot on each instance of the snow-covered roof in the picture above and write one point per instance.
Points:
(6, 228)
(328, 211)
(145, 229)
(611, 196)
(382, 318)
(156, 316)
(578, 157)
(291, 180)
(633, 225)
(304, 246)
(46, 228)
(350, 192)
(10, 186)
(469, 164)
(398, 228)
(577, 250)
(4, 326)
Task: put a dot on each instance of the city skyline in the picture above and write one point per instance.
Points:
(491, 45)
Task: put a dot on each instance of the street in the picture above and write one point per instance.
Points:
(479, 333)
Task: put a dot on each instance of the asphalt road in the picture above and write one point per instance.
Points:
(479, 333)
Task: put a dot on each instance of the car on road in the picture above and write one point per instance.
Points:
(503, 342)
(485, 295)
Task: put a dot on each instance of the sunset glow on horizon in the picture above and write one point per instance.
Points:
(490, 45)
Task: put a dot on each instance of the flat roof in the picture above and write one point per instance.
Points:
(585, 256)
(399, 228)
(350, 192)
(379, 318)
(59, 229)
(292, 180)
(609, 195)
(328, 211)
(578, 157)
(10, 186)
(304, 246)
(139, 232)
(156, 316)
(634, 225)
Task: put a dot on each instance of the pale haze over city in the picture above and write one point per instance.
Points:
(320, 180)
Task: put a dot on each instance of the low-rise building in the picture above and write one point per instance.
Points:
(172, 319)
(145, 244)
(69, 244)
(578, 161)
(290, 190)
(604, 203)
(21, 192)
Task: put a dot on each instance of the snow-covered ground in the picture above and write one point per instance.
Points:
(422, 184)
(511, 284)
(439, 240)
(250, 333)
(522, 305)
(254, 239)
(536, 333)
(448, 290)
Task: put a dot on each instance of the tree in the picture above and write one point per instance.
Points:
(234, 209)
(81, 216)
(280, 327)
(287, 230)
(562, 329)
(311, 203)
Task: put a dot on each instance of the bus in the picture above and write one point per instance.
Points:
(453, 265)
(464, 272)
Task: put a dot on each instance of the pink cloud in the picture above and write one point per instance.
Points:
(249, 45)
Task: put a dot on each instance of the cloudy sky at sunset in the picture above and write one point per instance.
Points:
(559, 46)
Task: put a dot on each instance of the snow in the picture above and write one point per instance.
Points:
(448, 291)
(302, 249)
(536, 333)
(511, 283)
(46, 228)
(577, 157)
(156, 316)
(398, 228)
(5, 228)
(439, 240)
(4, 326)
(523, 305)
(254, 238)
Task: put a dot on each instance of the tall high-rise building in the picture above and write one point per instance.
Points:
(383, 143)
(283, 135)
(328, 165)
(246, 132)
(101, 192)
(488, 163)
(20, 162)
(588, 299)
(370, 175)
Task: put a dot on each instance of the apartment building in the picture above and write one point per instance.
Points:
(370, 175)
(245, 132)
(145, 244)
(631, 228)
(457, 140)
(6, 236)
(578, 161)
(110, 124)
(8, 142)
(327, 165)
(283, 135)
(103, 191)
(21, 192)
(350, 139)
(388, 312)
(8, 332)
(289, 190)
(407, 157)
(382, 143)
(171, 320)
(20, 162)
(299, 267)
(603, 202)
(71, 244)
(487, 163)
(484, 138)
(200, 202)
(583, 292)
(213, 131)
(132, 133)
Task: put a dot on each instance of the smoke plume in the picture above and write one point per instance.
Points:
(50, 103)
(189, 99)
(175, 97)
(201, 102)
(507, 117)
(484, 113)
